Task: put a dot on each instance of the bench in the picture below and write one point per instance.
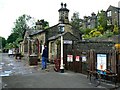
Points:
(108, 75)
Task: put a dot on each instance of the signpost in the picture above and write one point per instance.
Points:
(67, 42)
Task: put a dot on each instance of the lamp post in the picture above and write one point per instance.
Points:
(61, 30)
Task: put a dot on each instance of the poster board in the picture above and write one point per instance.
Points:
(84, 59)
(77, 58)
(101, 61)
(69, 58)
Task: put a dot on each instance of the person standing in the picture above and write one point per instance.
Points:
(44, 57)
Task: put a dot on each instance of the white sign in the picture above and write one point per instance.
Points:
(84, 59)
(101, 61)
(77, 58)
(70, 58)
(67, 42)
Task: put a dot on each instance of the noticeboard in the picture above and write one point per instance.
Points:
(101, 61)
(84, 59)
(70, 58)
(77, 58)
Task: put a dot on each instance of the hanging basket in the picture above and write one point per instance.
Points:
(117, 46)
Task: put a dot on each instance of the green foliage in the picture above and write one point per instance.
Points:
(115, 30)
(108, 33)
(14, 44)
(86, 36)
(17, 41)
(9, 45)
(12, 38)
(92, 33)
(110, 28)
(75, 20)
(95, 33)
(21, 25)
(101, 29)
(102, 19)
(2, 42)
(86, 31)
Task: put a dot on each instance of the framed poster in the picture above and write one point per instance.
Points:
(70, 58)
(101, 61)
(77, 58)
(84, 59)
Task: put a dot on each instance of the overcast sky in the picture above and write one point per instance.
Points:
(10, 10)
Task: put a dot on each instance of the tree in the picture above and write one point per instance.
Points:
(21, 25)
(115, 30)
(102, 20)
(75, 20)
(2, 42)
(9, 45)
(12, 38)
(86, 31)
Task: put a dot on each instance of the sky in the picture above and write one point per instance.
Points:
(10, 10)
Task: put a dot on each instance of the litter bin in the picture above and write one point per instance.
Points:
(33, 59)
(57, 65)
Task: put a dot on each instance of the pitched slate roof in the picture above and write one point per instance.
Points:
(112, 7)
(69, 27)
(58, 35)
(34, 32)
